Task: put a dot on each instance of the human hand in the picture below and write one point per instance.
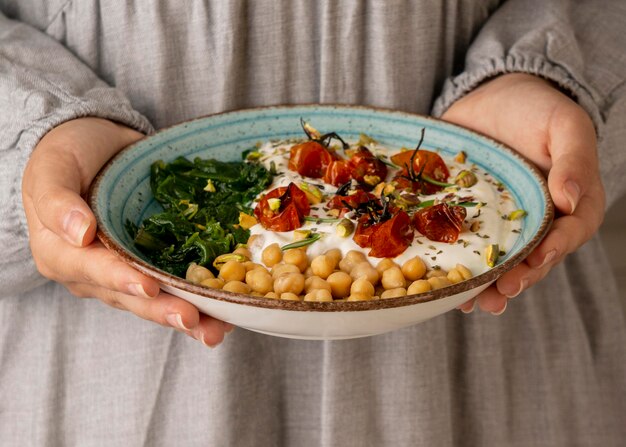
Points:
(532, 116)
(62, 229)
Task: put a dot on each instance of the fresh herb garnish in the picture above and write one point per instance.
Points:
(302, 242)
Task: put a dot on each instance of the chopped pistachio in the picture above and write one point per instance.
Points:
(223, 259)
(298, 235)
(465, 179)
(210, 187)
(274, 204)
(492, 254)
(475, 226)
(460, 157)
(371, 180)
(312, 192)
(312, 131)
(517, 214)
(345, 228)
(365, 140)
(253, 156)
(247, 221)
(377, 191)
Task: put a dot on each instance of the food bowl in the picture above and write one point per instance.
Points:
(121, 193)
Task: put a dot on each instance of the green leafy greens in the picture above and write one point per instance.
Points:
(201, 204)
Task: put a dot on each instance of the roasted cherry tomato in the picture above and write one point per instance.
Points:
(441, 223)
(387, 239)
(310, 159)
(351, 201)
(364, 163)
(337, 172)
(434, 167)
(294, 206)
(392, 237)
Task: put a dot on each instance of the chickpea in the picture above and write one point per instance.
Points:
(279, 269)
(414, 268)
(435, 273)
(214, 283)
(233, 271)
(359, 297)
(323, 266)
(253, 293)
(288, 296)
(197, 273)
(419, 286)
(271, 255)
(289, 282)
(249, 265)
(260, 281)
(244, 252)
(314, 283)
(272, 295)
(340, 283)
(296, 257)
(351, 259)
(393, 278)
(251, 240)
(334, 254)
(236, 287)
(308, 273)
(384, 265)
(438, 282)
(365, 269)
(393, 293)
(454, 276)
(320, 295)
(362, 285)
(465, 272)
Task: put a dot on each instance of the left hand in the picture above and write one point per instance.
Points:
(533, 117)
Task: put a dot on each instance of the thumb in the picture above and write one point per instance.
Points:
(52, 188)
(574, 170)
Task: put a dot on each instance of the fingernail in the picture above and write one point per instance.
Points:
(522, 286)
(175, 320)
(75, 226)
(549, 257)
(501, 311)
(470, 310)
(138, 290)
(572, 194)
(228, 328)
(202, 338)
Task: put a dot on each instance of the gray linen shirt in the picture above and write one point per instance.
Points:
(550, 371)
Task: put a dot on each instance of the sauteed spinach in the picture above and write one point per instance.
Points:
(201, 201)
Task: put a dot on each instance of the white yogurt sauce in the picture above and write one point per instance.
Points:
(469, 250)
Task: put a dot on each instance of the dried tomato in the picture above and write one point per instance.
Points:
(387, 239)
(351, 201)
(310, 159)
(441, 223)
(392, 237)
(337, 173)
(294, 206)
(432, 164)
(363, 163)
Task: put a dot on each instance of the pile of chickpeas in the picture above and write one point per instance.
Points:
(288, 275)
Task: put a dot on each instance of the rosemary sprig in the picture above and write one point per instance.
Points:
(428, 203)
(321, 219)
(302, 242)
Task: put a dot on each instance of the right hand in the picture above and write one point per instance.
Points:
(62, 229)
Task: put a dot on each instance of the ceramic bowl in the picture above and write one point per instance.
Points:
(121, 192)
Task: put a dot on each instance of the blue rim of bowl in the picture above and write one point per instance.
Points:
(165, 278)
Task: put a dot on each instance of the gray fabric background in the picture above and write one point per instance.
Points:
(550, 371)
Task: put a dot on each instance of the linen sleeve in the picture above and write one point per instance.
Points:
(580, 45)
(42, 84)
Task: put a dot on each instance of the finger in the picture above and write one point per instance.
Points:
(165, 309)
(210, 331)
(572, 147)
(51, 189)
(567, 234)
(93, 264)
(468, 307)
(492, 301)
